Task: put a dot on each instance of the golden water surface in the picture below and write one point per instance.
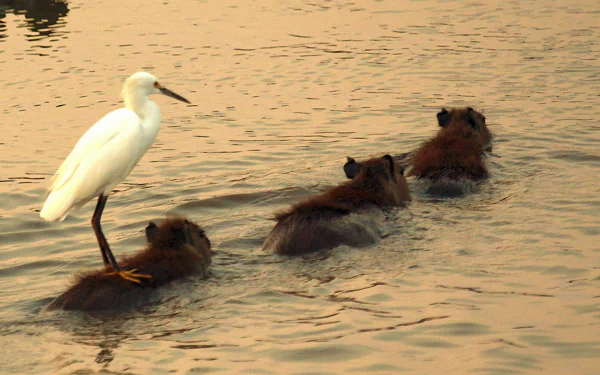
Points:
(502, 281)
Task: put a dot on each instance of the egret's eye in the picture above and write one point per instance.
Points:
(156, 85)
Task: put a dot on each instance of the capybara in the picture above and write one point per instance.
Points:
(176, 249)
(349, 214)
(455, 157)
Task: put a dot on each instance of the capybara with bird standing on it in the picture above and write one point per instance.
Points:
(176, 249)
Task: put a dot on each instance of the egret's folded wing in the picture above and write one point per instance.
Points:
(100, 172)
(98, 135)
(102, 158)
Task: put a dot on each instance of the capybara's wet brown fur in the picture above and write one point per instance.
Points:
(346, 214)
(457, 151)
(176, 249)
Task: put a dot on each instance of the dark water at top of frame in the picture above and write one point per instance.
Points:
(503, 281)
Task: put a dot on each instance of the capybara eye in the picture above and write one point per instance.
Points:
(202, 233)
(186, 221)
(483, 117)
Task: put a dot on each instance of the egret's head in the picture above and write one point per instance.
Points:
(146, 84)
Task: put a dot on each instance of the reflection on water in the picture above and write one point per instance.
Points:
(504, 281)
(43, 17)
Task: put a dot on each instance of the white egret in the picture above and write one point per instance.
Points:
(105, 155)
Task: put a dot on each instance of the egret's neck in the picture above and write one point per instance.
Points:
(149, 114)
(137, 102)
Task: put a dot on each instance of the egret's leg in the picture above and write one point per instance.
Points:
(104, 248)
(107, 255)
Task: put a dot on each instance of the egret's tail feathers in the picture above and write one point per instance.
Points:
(57, 206)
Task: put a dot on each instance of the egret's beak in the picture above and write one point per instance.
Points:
(170, 93)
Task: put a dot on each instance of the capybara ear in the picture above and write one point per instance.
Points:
(400, 169)
(392, 164)
(151, 231)
(351, 168)
(471, 118)
(443, 117)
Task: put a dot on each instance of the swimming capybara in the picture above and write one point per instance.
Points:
(176, 249)
(349, 214)
(455, 155)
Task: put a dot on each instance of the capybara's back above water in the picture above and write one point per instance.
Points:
(176, 249)
(455, 157)
(349, 214)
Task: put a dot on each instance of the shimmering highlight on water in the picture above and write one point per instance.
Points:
(503, 281)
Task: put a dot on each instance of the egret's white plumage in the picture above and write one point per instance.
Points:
(108, 151)
(104, 156)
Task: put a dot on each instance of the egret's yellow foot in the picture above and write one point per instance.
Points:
(131, 275)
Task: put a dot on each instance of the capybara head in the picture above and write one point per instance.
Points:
(380, 174)
(352, 167)
(178, 234)
(465, 120)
